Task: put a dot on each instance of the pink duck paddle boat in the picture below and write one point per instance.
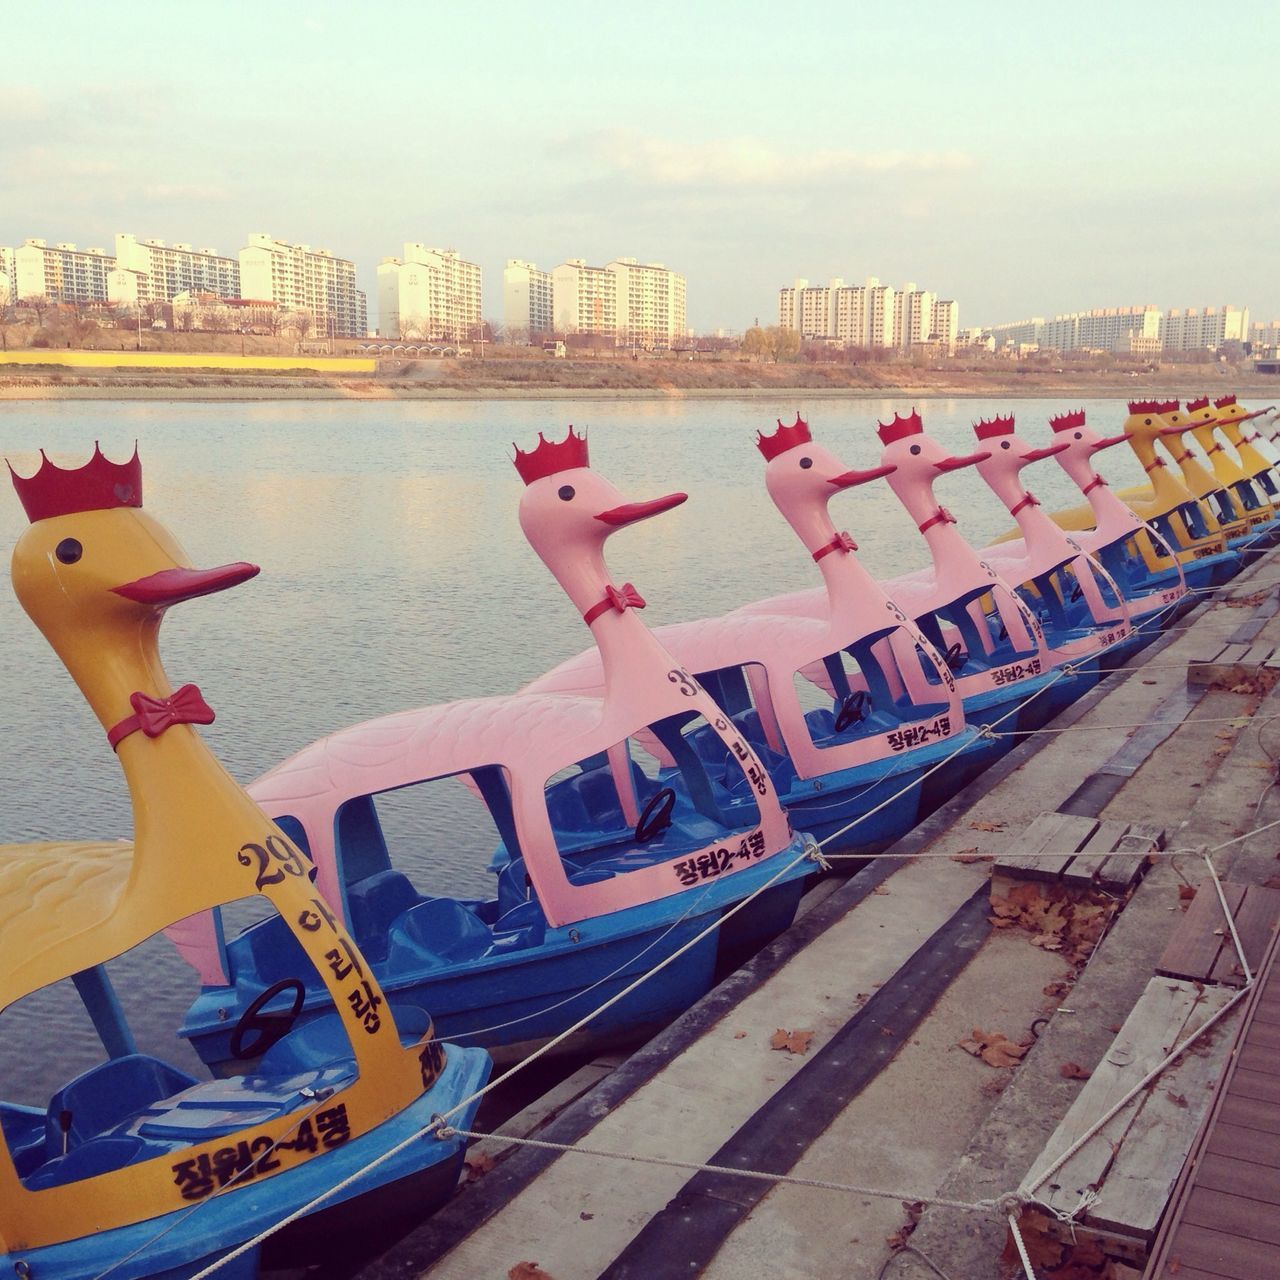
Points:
(1000, 662)
(1121, 540)
(848, 707)
(604, 871)
(1041, 568)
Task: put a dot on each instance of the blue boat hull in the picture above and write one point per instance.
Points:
(179, 1244)
(510, 1003)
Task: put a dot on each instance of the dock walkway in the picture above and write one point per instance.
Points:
(885, 986)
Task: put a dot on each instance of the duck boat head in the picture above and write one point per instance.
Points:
(96, 574)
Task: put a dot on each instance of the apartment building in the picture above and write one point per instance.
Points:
(585, 299)
(650, 304)
(429, 293)
(7, 294)
(1265, 338)
(526, 299)
(866, 315)
(1018, 333)
(152, 271)
(298, 278)
(60, 272)
(1207, 329)
(1105, 329)
(946, 324)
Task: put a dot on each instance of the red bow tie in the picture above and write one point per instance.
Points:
(155, 715)
(841, 542)
(621, 599)
(941, 516)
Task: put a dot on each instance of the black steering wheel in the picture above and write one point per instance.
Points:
(852, 709)
(655, 817)
(955, 656)
(267, 1028)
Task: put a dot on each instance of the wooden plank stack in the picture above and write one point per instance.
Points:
(1124, 1174)
(1081, 853)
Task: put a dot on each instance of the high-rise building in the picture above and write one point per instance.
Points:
(585, 299)
(1018, 333)
(946, 324)
(61, 272)
(298, 278)
(1102, 329)
(866, 315)
(7, 294)
(429, 293)
(650, 301)
(1194, 329)
(526, 299)
(152, 271)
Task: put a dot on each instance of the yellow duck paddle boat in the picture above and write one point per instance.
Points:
(137, 1168)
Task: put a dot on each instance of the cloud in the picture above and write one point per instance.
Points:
(746, 161)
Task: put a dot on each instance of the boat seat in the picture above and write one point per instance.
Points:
(23, 1130)
(268, 951)
(107, 1095)
(523, 926)
(320, 1042)
(99, 1155)
(444, 927)
(374, 904)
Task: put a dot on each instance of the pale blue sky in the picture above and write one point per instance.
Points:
(1024, 160)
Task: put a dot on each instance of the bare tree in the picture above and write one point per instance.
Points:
(300, 322)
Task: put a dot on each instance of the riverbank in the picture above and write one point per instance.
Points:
(173, 375)
(166, 385)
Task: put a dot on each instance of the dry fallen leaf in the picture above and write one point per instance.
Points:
(1186, 892)
(993, 1048)
(1178, 1099)
(1073, 1071)
(1057, 990)
(988, 826)
(791, 1041)
(477, 1165)
(970, 855)
(528, 1271)
(739, 1035)
(879, 889)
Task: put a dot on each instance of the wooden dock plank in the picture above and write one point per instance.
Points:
(1223, 669)
(1255, 919)
(1256, 1085)
(1141, 1177)
(1249, 1113)
(1255, 1057)
(1120, 872)
(1058, 833)
(1167, 1012)
(1244, 1144)
(1235, 1214)
(1082, 871)
(1197, 938)
(1220, 1254)
(1239, 1178)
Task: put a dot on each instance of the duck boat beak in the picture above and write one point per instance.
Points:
(966, 460)
(630, 512)
(1106, 442)
(1257, 413)
(1177, 431)
(847, 479)
(1049, 450)
(172, 586)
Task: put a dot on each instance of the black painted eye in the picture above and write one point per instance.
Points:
(806, 463)
(1146, 422)
(1079, 436)
(566, 492)
(915, 448)
(68, 551)
(1004, 444)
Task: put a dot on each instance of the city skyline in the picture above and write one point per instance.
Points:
(1040, 164)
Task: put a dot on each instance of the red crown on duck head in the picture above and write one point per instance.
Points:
(549, 456)
(1168, 406)
(784, 438)
(998, 426)
(99, 485)
(1067, 421)
(900, 427)
(1194, 406)
(1146, 406)
(1224, 402)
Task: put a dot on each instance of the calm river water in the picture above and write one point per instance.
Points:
(394, 574)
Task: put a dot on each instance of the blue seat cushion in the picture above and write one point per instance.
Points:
(374, 904)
